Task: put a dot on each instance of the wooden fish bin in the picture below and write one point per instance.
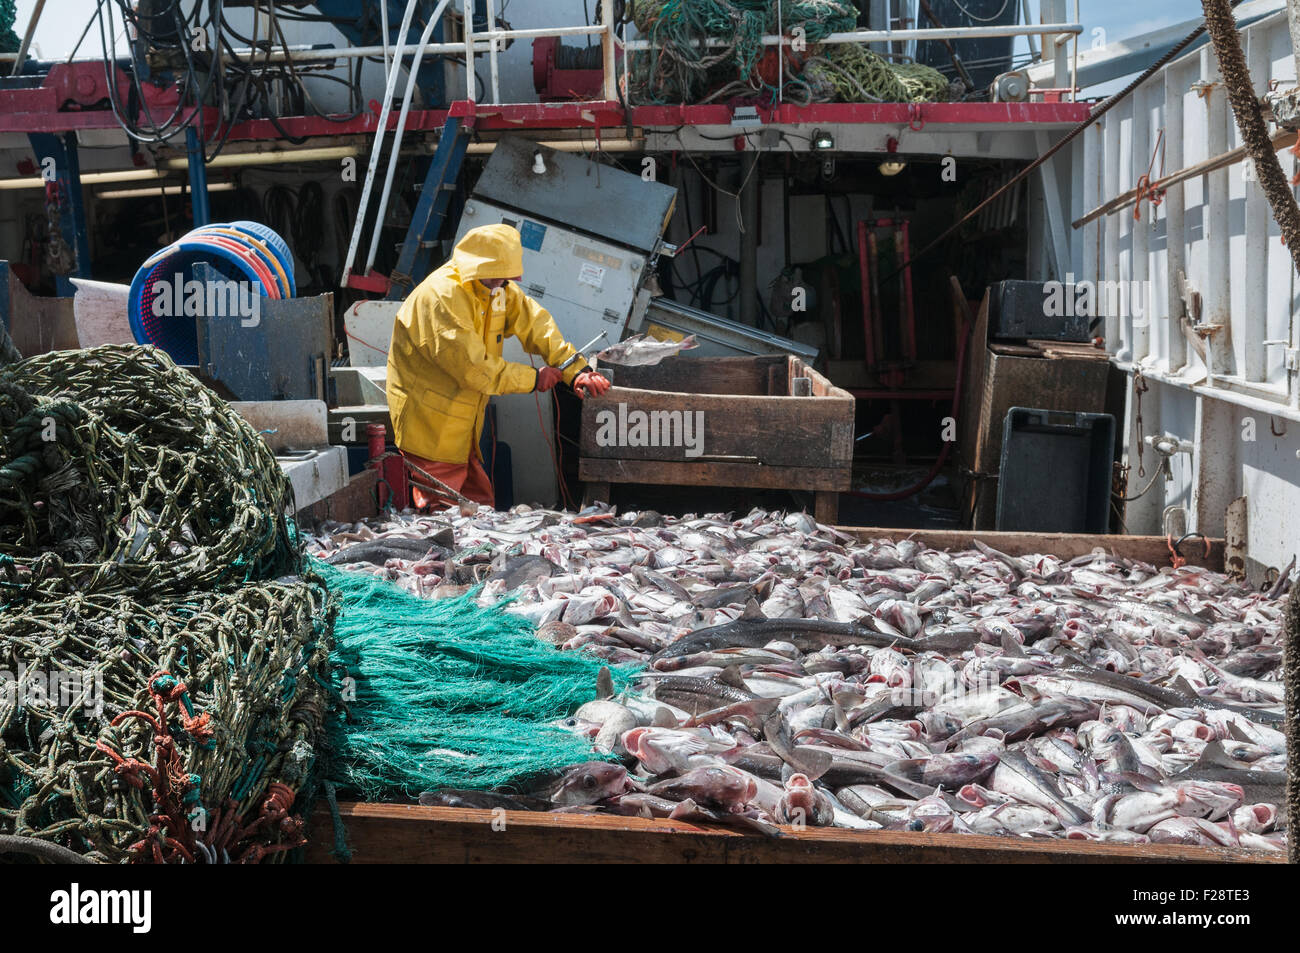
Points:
(768, 422)
(411, 834)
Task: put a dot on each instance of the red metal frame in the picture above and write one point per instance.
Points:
(73, 97)
(872, 328)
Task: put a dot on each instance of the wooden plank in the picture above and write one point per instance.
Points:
(977, 359)
(777, 431)
(826, 507)
(669, 472)
(38, 324)
(398, 833)
(595, 492)
(1148, 549)
(356, 501)
(1070, 349)
(701, 375)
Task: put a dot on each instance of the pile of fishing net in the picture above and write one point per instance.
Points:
(176, 729)
(448, 693)
(120, 472)
(161, 691)
(168, 690)
(681, 66)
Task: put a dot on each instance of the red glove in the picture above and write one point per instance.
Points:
(547, 378)
(589, 383)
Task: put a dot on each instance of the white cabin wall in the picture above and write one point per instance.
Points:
(1243, 419)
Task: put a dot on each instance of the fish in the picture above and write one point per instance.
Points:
(783, 664)
(516, 571)
(588, 783)
(380, 551)
(804, 804)
(723, 787)
(1017, 777)
(639, 350)
(753, 630)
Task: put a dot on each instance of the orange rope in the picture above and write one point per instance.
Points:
(1144, 188)
(1178, 560)
(365, 343)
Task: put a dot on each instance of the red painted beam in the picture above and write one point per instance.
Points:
(44, 110)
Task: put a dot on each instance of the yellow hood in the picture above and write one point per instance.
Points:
(489, 251)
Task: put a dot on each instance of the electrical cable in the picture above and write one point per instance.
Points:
(975, 19)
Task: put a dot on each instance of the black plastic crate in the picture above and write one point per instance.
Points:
(1055, 474)
(1018, 311)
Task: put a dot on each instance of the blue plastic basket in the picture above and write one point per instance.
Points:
(262, 257)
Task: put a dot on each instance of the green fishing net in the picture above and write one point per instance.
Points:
(447, 693)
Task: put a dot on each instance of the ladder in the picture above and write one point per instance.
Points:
(426, 221)
(430, 211)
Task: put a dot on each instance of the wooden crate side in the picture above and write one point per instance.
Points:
(700, 375)
(773, 431)
(1149, 549)
(757, 476)
(398, 833)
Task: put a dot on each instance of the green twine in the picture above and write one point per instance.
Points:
(448, 693)
(681, 68)
(9, 41)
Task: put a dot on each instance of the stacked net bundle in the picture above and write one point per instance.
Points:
(161, 694)
(448, 693)
(120, 472)
(681, 66)
(181, 729)
(856, 74)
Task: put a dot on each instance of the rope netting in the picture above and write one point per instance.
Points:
(682, 68)
(160, 694)
(181, 729)
(120, 472)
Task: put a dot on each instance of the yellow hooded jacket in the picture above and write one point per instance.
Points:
(445, 358)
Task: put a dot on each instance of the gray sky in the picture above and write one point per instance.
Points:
(60, 25)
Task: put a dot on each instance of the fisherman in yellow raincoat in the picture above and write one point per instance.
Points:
(445, 359)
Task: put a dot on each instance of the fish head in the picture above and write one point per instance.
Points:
(799, 801)
(590, 782)
(1211, 799)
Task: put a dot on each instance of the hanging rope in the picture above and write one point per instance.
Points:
(1144, 189)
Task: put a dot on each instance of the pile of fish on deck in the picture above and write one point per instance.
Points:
(795, 675)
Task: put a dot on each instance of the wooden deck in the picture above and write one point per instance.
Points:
(397, 833)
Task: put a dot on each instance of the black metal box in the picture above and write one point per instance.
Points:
(1056, 471)
(1044, 311)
